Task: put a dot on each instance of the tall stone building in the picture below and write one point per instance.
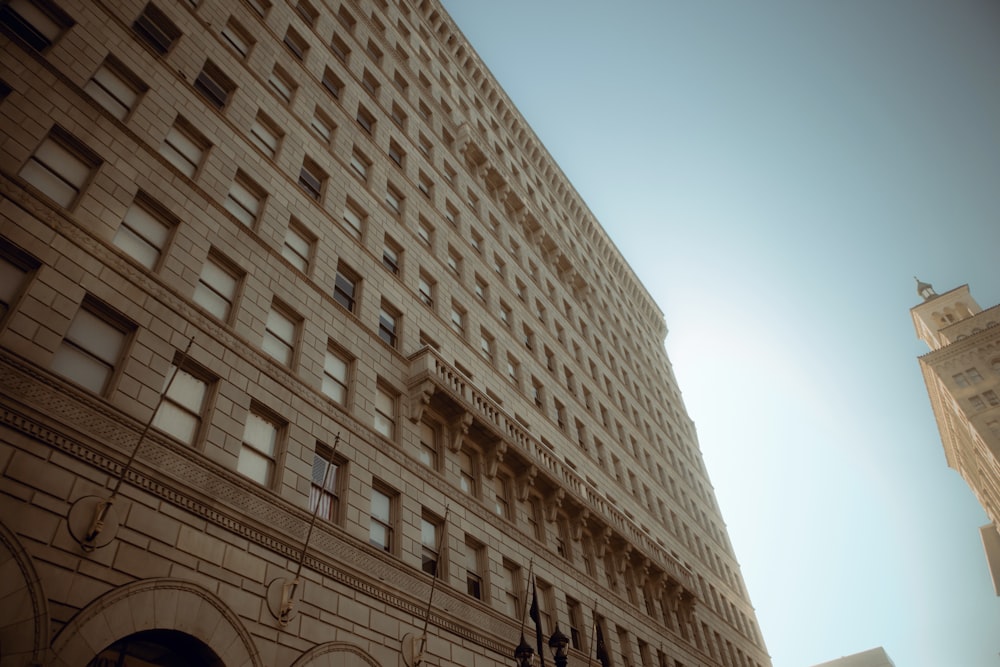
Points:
(310, 354)
(962, 373)
(875, 657)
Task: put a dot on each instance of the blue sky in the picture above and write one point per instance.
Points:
(776, 173)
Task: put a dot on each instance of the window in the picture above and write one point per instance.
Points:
(480, 289)
(391, 253)
(528, 337)
(333, 84)
(396, 153)
(336, 373)
(486, 346)
(312, 179)
(353, 220)
(14, 269)
(385, 412)
(513, 370)
(535, 518)
(625, 645)
(94, 344)
(36, 22)
(360, 164)
(184, 147)
(237, 37)
(398, 115)
(467, 472)
(280, 332)
(505, 314)
(282, 83)
(60, 167)
(428, 453)
(388, 324)
(345, 287)
(260, 6)
(216, 288)
(296, 44)
(575, 623)
(562, 538)
(449, 173)
(370, 83)
(180, 411)
(380, 531)
(245, 199)
(298, 245)
(458, 319)
(537, 393)
(214, 85)
(425, 232)
(501, 495)
(115, 87)
(340, 48)
(424, 144)
(265, 135)
(454, 261)
(322, 125)
(451, 214)
(394, 198)
(425, 289)
(365, 119)
(424, 184)
(474, 569)
(476, 239)
(259, 449)
(431, 531)
(991, 398)
(144, 231)
(545, 605)
(373, 50)
(512, 589)
(155, 29)
(328, 471)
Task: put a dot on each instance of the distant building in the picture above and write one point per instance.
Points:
(962, 373)
(415, 351)
(875, 657)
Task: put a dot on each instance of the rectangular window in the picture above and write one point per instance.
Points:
(15, 267)
(388, 320)
(458, 319)
(282, 84)
(428, 453)
(370, 83)
(425, 290)
(216, 288)
(298, 246)
(394, 198)
(425, 232)
(328, 471)
(184, 147)
(307, 12)
(144, 232)
(340, 48)
(332, 83)
(344, 287)
(322, 125)
(381, 531)
(280, 333)
(336, 372)
(353, 221)
(60, 167)
(366, 120)
(296, 44)
(486, 346)
(259, 450)
(501, 495)
(390, 256)
(360, 165)
(115, 87)
(245, 199)
(385, 412)
(424, 184)
(214, 85)
(155, 29)
(474, 569)
(454, 261)
(311, 179)
(180, 412)
(431, 530)
(237, 37)
(94, 344)
(265, 135)
(512, 589)
(260, 6)
(575, 623)
(37, 23)
(396, 153)
(467, 472)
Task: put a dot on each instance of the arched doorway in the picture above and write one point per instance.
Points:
(157, 648)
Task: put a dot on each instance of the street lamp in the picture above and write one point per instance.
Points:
(558, 642)
(523, 654)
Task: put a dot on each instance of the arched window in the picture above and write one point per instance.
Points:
(162, 648)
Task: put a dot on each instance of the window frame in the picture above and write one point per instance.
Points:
(81, 164)
(93, 308)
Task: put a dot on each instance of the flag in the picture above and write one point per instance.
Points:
(537, 618)
(602, 648)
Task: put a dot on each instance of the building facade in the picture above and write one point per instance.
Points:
(310, 355)
(962, 373)
(876, 657)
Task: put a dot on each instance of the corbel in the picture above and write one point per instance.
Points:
(578, 524)
(553, 503)
(420, 399)
(525, 481)
(494, 457)
(459, 429)
(622, 558)
(602, 543)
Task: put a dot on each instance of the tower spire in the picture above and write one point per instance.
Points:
(925, 290)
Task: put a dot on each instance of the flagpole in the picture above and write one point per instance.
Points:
(527, 587)
(593, 635)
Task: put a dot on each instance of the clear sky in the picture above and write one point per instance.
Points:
(776, 173)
